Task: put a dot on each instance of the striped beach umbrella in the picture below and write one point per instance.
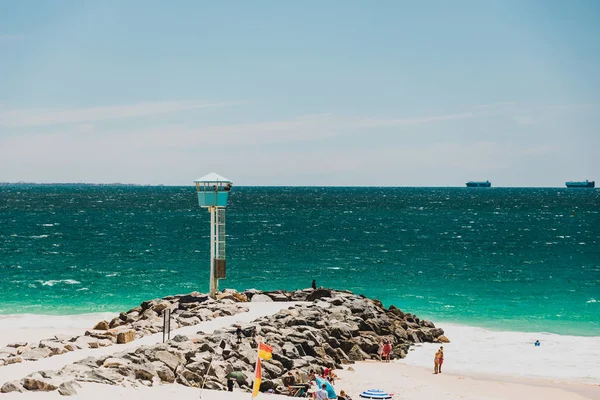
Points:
(375, 394)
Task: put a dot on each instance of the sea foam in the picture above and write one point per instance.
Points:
(479, 350)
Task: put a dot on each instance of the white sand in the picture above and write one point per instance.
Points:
(411, 382)
(407, 381)
(478, 350)
(18, 371)
(34, 327)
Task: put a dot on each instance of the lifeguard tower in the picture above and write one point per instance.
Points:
(213, 192)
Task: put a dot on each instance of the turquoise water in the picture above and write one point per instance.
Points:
(510, 259)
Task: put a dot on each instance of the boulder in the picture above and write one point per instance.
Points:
(180, 338)
(194, 297)
(318, 294)
(125, 336)
(164, 373)
(68, 388)
(116, 322)
(12, 386)
(160, 307)
(145, 372)
(55, 347)
(102, 326)
(261, 298)
(13, 360)
(104, 375)
(17, 344)
(172, 360)
(442, 339)
(36, 353)
(357, 354)
(37, 381)
(114, 362)
(278, 296)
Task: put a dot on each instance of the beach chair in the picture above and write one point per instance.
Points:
(293, 391)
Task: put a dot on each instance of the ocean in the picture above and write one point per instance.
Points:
(499, 259)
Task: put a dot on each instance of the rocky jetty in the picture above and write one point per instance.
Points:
(328, 328)
(146, 319)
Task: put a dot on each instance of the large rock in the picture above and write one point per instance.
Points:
(37, 381)
(36, 354)
(102, 326)
(114, 362)
(261, 298)
(68, 388)
(357, 354)
(145, 372)
(318, 294)
(13, 360)
(164, 373)
(12, 386)
(55, 347)
(193, 298)
(104, 375)
(125, 336)
(442, 339)
(172, 360)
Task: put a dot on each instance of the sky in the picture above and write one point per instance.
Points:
(350, 93)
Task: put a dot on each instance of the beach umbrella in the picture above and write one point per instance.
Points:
(330, 392)
(239, 376)
(375, 394)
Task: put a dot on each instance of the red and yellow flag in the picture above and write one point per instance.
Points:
(265, 351)
(257, 379)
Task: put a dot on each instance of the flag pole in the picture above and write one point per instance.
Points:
(258, 340)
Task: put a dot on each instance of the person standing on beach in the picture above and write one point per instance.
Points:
(380, 350)
(387, 350)
(321, 394)
(436, 362)
(238, 333)
(441, 359)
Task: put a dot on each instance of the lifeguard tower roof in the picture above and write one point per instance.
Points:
(212, 178)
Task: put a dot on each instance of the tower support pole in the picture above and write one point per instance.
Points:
(213, 243)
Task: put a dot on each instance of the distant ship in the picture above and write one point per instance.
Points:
(585, 184)
(479, 184)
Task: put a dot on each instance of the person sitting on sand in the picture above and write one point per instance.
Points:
(331, 377)
(436, 362)
(441, 359)
(312, 376)
(343, 396)
(537, 343)
(289, 380)
(387, 350)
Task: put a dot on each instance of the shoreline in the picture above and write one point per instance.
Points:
(465, 341)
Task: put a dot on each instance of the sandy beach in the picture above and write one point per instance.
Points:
(406, 382)
(408, 378)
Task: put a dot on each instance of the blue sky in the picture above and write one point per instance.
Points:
(300, 93)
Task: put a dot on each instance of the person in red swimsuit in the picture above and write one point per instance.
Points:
(441, 359)
(387, 349)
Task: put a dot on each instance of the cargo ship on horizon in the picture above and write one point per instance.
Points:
(479, 184)
(583, 184)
